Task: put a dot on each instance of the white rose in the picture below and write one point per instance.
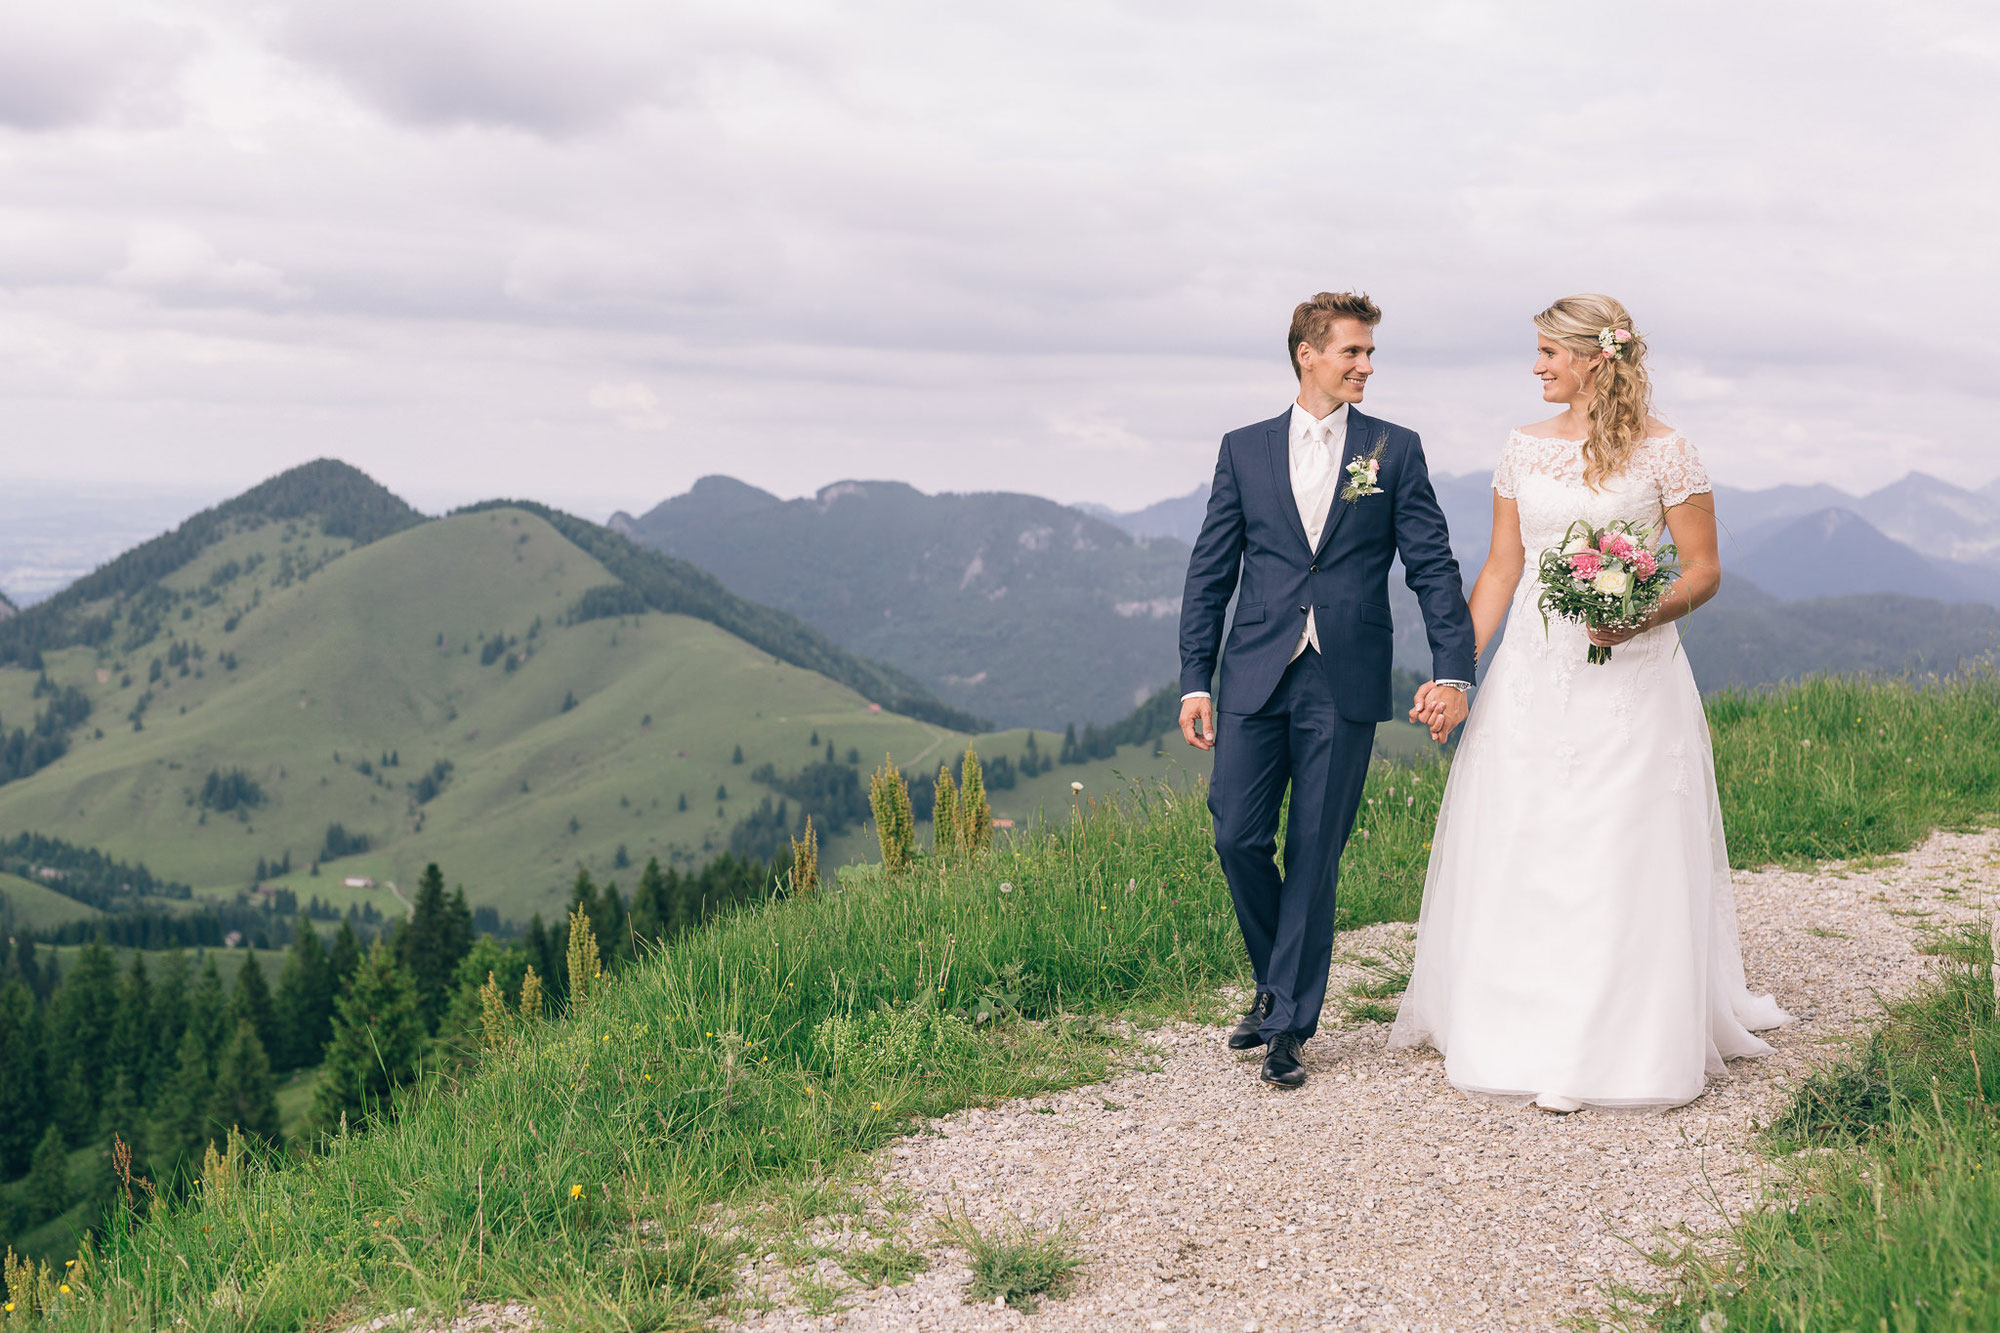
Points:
(1577, 543)
(1613, 582)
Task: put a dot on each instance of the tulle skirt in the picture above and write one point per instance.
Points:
(1578, 934)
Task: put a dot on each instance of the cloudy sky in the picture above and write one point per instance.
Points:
(589, 251)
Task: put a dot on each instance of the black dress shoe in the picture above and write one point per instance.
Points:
(1282, 1065)
(1245, 1035)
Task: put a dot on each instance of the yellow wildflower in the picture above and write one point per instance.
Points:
(64, 1289)
(576, 1191)
(874, 1106)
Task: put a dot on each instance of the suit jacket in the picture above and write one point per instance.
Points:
(1252, 540)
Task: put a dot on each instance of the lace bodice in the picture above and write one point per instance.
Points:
(1544, 477)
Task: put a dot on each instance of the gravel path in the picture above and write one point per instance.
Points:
(1378, 1197)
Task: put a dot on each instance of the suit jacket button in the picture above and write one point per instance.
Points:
(1313, 570)
(1303, 610)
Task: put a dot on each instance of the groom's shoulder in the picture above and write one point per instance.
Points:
(1397, 436)
(1257, 430)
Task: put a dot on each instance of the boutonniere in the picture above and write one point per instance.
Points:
(1362, 472)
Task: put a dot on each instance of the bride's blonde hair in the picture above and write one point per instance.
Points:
(1621, 395)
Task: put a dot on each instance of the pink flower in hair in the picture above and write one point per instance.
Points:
(1622, 335)
(1586, 565)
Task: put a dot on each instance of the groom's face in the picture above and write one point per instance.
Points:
(1340, 370)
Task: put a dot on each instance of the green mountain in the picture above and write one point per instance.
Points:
(1010, 606)
(510, 691)
(315, 672)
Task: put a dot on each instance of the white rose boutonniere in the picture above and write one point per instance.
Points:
(1362, 473)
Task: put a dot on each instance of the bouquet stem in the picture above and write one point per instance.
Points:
(1597, 656)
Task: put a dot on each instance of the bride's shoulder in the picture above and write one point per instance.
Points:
(1541, 430)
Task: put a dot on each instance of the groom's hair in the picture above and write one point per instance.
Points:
(1312, 321)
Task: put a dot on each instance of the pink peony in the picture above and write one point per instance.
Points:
(1586, 565)
(1617, 544)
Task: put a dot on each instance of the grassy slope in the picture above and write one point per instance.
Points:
(38, 907)
(348, 664)
(697, 1078)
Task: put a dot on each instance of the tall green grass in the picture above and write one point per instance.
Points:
(1834, 767)
(582, 1168)
(1889, 1211)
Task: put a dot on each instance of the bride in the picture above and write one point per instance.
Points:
(1577, 945)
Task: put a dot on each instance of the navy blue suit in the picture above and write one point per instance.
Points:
(1309, 722)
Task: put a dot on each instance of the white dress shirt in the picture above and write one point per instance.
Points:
(1316, 447)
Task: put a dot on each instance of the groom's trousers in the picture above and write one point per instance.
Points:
(1297, 738)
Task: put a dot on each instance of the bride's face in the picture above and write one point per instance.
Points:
(1565, 376)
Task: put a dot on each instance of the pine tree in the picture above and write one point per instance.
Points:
(208, 1011)
(82, 1016)
(737, 757)
(378, 1040)
(120, 1113)
(251, 1003)
(343, 956)
(652, 904)
(47, 1188)
(180, 1128)
(829, 750)
(22, 1109)
(170, 1016)
(431, 943)
(944, 814)
(133, 1032)
(895, 831)
(975, 816)
(613, 925)
(304, 1003)
(682, 807)
(242, 1099)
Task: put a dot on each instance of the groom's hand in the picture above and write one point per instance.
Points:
(1198, 722)
(1440, 708)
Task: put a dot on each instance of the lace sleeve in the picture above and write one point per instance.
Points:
(1504, 478)
(1678, 471)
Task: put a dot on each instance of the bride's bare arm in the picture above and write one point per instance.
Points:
(1499, 576)
(1692, 523)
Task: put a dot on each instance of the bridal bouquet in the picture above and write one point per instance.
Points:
(1605, 578)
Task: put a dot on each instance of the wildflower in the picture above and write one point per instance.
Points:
(1076, 786)
(10, 1307)
(576, 1191)
(1005, 887)
(874, 1106)
(1100, 907)
(649, 1078)
(64, 1288)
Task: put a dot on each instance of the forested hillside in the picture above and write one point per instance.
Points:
(1009, 606)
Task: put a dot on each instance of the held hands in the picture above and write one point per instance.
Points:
(1198, 722)
(1439, 707)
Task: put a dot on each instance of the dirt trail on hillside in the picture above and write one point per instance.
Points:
(1378, 1197)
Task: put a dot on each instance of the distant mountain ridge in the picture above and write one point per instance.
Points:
(1008, 605)
(1920, 536)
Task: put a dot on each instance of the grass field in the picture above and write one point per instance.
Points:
(38, 907)
(580, 1169)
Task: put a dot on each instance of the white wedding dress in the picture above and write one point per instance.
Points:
(1578, 934)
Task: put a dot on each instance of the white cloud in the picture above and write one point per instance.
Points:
(1051, 247)
(631, 404)
(177, 263)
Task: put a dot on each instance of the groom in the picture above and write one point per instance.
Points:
(1310, 507)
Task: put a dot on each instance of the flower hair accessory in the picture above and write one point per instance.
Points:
(1613, 341)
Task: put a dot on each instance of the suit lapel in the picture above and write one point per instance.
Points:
(1356, 446)
(1278, 437)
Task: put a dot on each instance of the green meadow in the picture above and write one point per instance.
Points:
(605, 1166)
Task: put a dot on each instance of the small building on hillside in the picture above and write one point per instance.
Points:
(357, 882)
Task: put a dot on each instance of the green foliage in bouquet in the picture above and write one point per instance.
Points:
(1605, 578)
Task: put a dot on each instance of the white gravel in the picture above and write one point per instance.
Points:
(1378, 1197)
